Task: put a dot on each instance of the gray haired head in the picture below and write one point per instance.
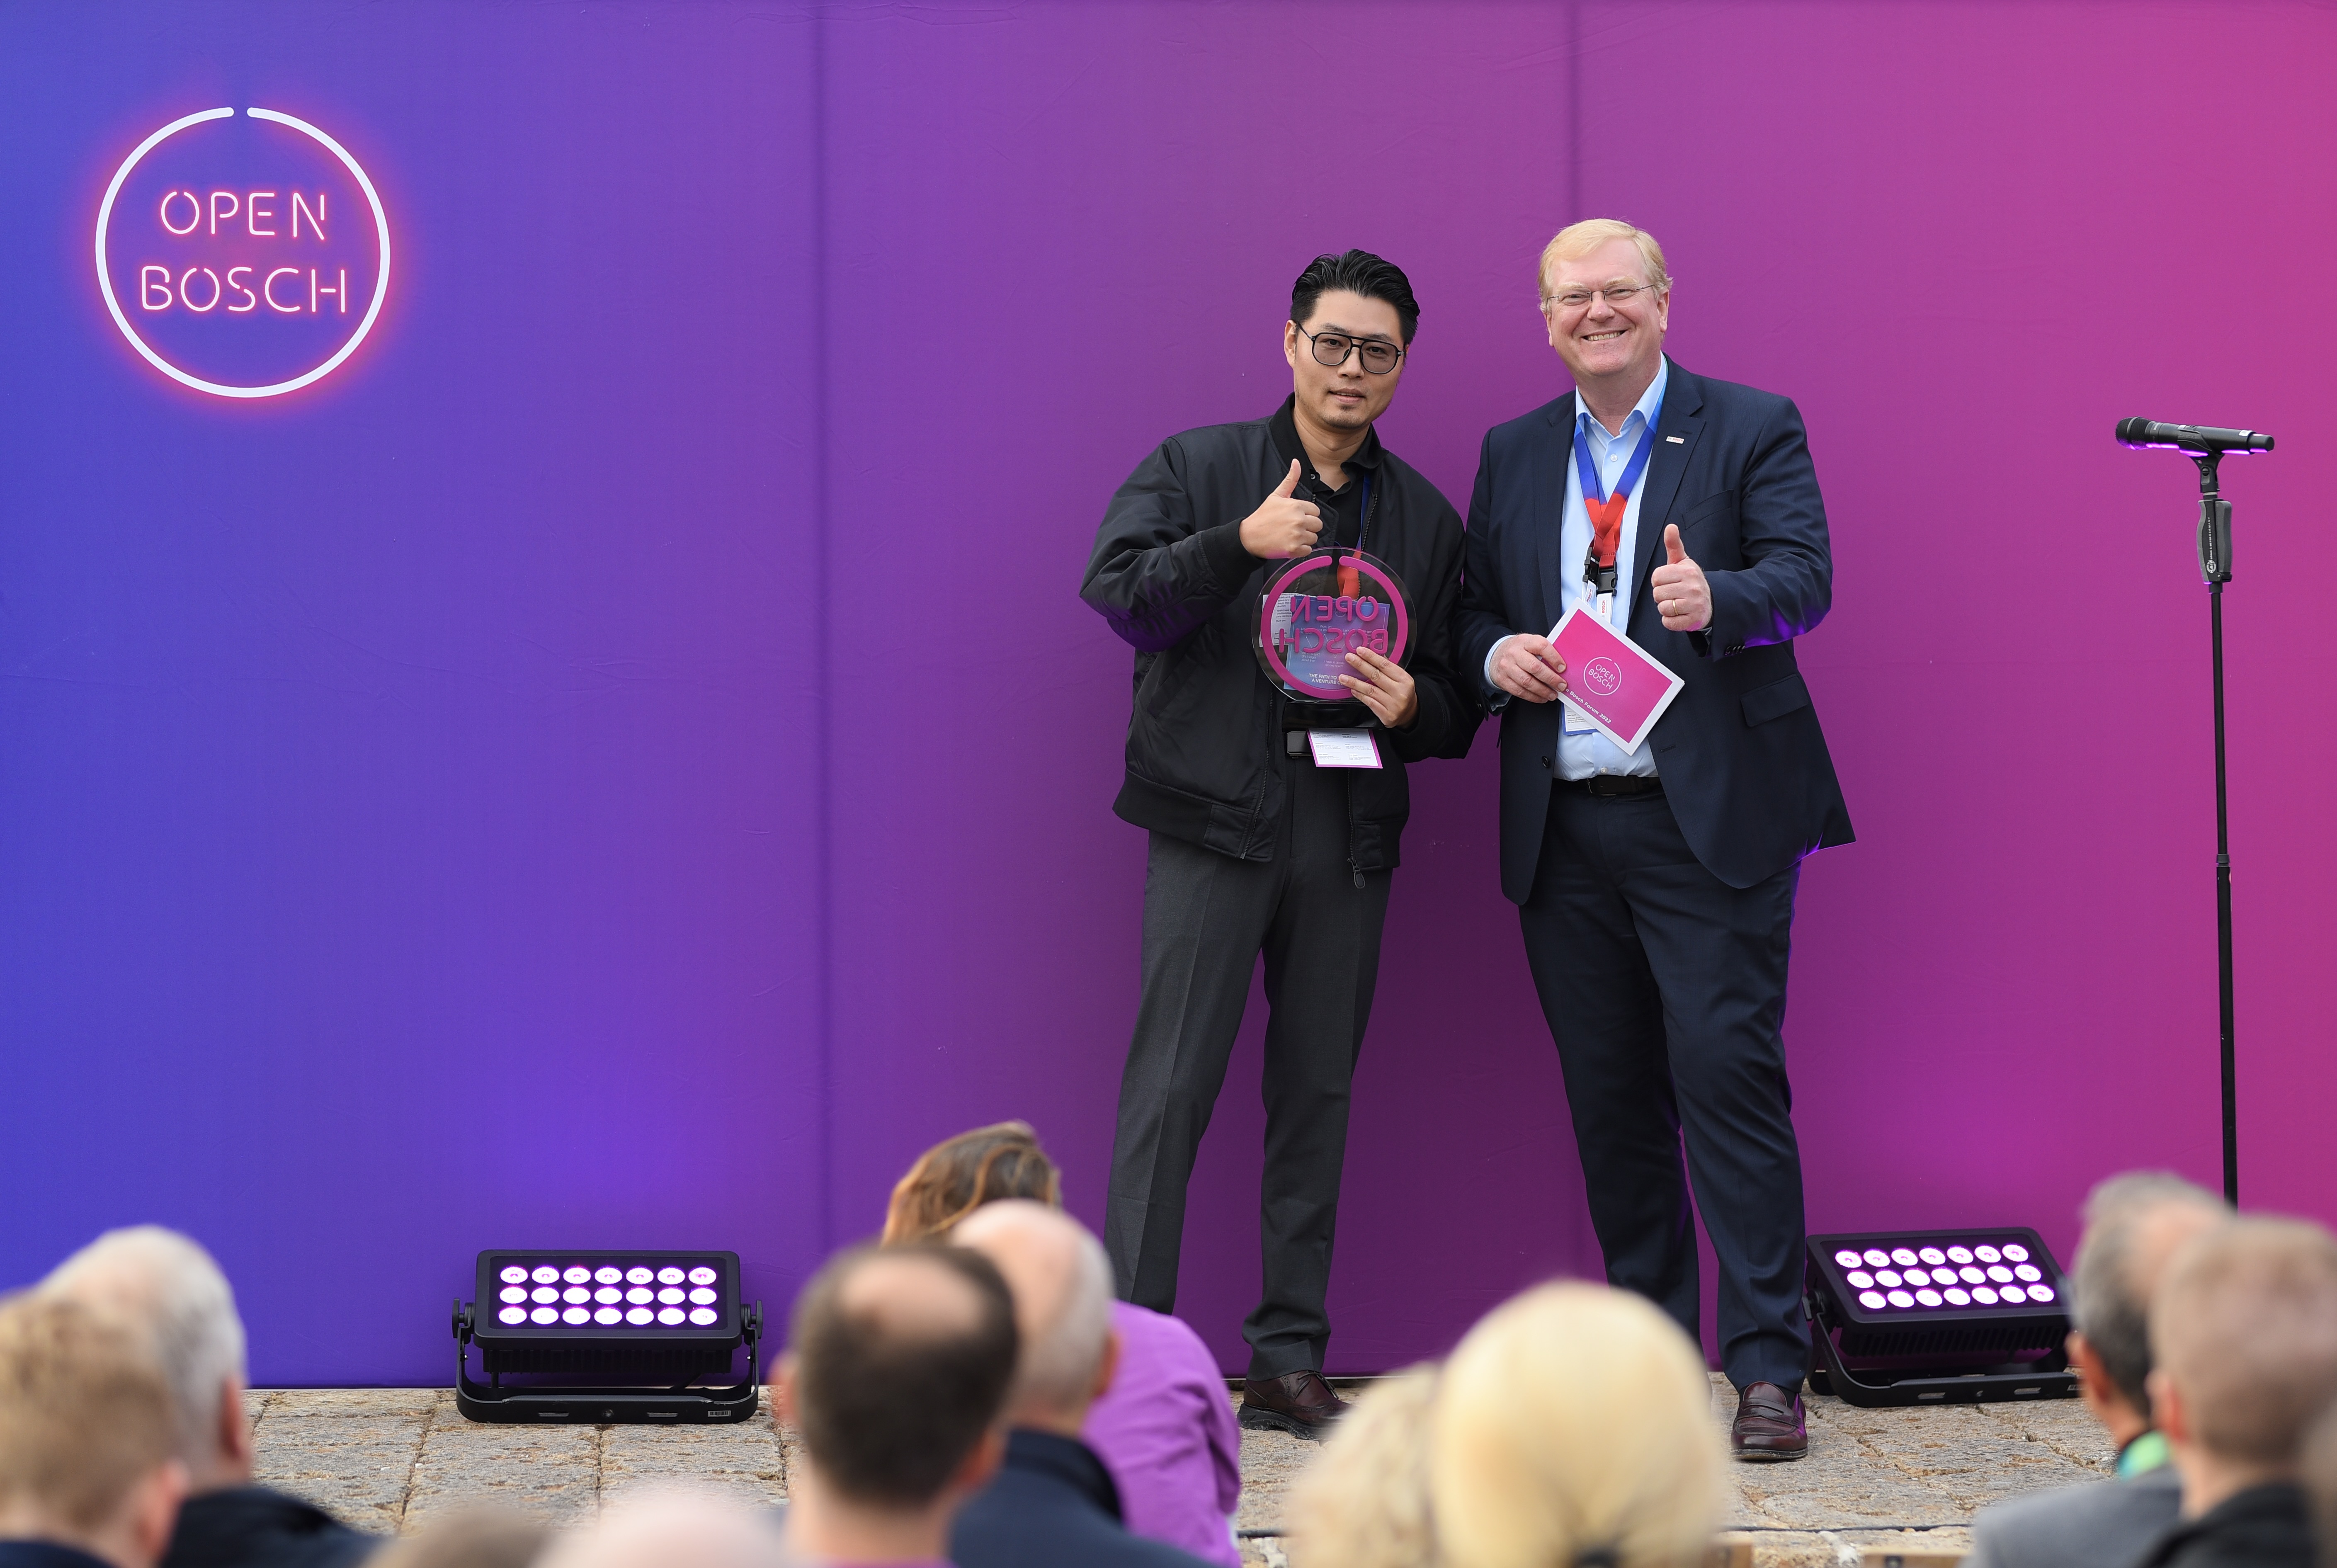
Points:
(2112, 1307)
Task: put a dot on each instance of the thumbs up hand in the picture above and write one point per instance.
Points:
(1682, 594)
(1283, 524)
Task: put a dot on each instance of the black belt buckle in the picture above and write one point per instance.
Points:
(1616, 786)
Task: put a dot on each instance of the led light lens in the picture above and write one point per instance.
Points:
(638, 1276)
(1984, 1296)
(1848, 1259)
(607, 1315)
(1969, 1275)
(546, 1275)
(607, 1295)
(640, 1295)
(513, 1315)
(1933, 1256)
(670, 1295)
(1986, 1254)
(1889, 1277)
(513, 1293)
(545, 1315)
(702, 1296)
(1957, 1297)
(1877, 1258)
(670, 1276)
(1917, 1276)
(638, 1315)
(2028, 1271)
(513, 1274)
(668, 1314)
(702, 1275)
(577, 1295)
(2013, 1293)
(702, 1316)
(1928, 1298)
(546, 1293)
(577, 1315)
(1870, 1299)
(1901, 1298)
(578, 1274)
(2015, 1252)
(1959, 1254)
(1999, 1273)
(2041, 1292)
(608, 1274)
(1860, 1279)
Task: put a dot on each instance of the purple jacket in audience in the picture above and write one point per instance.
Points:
(1167, 1433)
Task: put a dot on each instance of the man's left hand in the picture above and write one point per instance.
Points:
(1385, 687)
(1682, 595)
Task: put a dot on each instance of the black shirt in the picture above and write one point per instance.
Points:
(256, 1527)
(45, 1555)
(1052, 1505)
(2262, 1527)
(1342, 509)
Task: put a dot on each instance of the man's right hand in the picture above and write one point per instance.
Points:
(1282, 524)
(1527, 666)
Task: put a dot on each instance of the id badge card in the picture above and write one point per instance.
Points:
(1344, 747)
(1611, 680)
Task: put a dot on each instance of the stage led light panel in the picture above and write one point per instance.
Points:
(611, 1298)
(1903, 1274)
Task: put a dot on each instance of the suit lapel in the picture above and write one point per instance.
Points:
(1667, 464)
(1550, 459)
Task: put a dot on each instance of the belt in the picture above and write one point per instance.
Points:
(1611, 786)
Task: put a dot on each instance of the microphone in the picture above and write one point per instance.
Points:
(2144, 434)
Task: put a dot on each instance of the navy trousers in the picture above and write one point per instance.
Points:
(1665, 989)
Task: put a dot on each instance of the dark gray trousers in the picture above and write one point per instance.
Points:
(1664, 990)
(1208, 918)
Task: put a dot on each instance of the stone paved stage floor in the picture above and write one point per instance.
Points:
(1905, 1481)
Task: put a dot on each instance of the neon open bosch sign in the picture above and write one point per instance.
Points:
(243, 255)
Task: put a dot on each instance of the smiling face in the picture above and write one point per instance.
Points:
(1602, 342)
(1346, 397)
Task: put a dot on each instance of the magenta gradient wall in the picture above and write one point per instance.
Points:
(526, 791)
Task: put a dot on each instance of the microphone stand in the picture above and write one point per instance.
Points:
(2216, 566)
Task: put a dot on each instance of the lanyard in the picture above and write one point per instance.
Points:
(1606, 511)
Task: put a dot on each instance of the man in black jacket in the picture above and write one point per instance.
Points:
(1255, 846)
(170, 1287)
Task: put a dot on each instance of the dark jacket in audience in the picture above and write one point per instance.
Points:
(45, 1555)
(1053, 1506)
(2093, 1524)
(2262, 1527)
(255, 1527)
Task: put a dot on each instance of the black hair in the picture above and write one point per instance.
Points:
(1355, 273)
(888, 1412)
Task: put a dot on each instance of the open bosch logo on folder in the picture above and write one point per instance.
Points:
(243, 253)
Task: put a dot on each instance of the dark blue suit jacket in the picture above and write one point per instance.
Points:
(1739, 750)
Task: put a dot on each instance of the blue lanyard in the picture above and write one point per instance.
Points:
(1592, 488)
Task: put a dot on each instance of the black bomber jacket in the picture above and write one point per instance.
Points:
(1170, 576)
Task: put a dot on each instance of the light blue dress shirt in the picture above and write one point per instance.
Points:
(1584, 754)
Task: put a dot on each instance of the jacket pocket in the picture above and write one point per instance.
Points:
(1776, 700)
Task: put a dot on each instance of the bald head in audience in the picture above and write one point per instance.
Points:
(2243, 1329)
(1061, 1283)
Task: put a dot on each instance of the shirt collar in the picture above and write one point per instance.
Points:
(1284, 424)
(1645, 408)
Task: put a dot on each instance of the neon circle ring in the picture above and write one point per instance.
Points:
(1317, 610)
(381, 233)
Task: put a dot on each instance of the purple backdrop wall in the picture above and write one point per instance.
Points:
(478, 802)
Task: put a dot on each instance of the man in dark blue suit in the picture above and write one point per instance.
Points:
(1656, 887)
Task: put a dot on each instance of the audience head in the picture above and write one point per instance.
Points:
(897, 1373)
(676, 1527)
(954, 1178)
(2243, 1330)
(1575, 1420)
(2321, 1480)
(168, 1289)
(1061, 1285)
(88, 1443)
(488, 1537)
(1364, 1503)
(2133, 1224)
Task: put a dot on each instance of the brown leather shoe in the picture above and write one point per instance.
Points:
(1299, 1403)
(1768, 1425)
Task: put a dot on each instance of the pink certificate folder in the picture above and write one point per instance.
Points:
(1620, 688)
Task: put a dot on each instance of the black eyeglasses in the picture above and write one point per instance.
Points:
(1332, 348)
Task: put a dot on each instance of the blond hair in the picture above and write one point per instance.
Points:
(1364, 1503)
(1575, 1419)
(2244, 1326)
(958, 1175)
(1576, 241)
(84, 1413)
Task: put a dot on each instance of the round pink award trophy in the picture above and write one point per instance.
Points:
(1317, 609)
